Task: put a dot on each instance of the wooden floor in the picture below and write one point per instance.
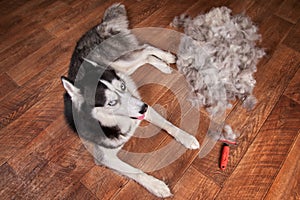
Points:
(41, 158)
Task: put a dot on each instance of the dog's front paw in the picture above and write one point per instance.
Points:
(167, 70)
(169, 58)
(188, 141)
(156, 187)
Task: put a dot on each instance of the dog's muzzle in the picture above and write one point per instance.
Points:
(144, 109)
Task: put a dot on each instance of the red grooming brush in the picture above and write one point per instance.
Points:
(224, 157)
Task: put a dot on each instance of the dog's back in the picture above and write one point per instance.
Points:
(114, 22)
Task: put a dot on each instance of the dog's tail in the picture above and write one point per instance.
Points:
(115, 12)
(114, 20)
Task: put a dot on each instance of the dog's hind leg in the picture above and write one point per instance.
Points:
(130, 62)
(159, 64)
(181, 136)
(109, 159)
(165, 56)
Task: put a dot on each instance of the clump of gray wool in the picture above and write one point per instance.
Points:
(218, 56)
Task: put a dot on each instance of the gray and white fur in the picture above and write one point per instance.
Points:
(220, 51)
(218, 57)
(102, 100)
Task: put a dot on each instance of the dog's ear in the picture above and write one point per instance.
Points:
(73, 91)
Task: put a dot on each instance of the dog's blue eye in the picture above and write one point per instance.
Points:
(113, 103)
(123, 86)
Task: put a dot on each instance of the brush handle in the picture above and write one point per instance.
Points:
(224, 157)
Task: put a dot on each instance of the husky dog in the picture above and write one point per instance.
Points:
(104, 100)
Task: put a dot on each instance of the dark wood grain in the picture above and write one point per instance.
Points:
(293, 90)
(202, 188)
(272, 35)
(103, 182)
(293, 38)
(38, 152)
(271, 83)
(266, 154)
(12, 55)
(238, 7)
(260, 10)
(39, 74)
(166, 14)
(55, 179)
(54, 55)
(81, 192)
(20, 100)
(42, 158)
(145, 9)
(285, 185)
(36, 119)
(27, 21)
(9, 182)
(69, 165)
(7, 85)
(8, 7)
(289, 10)
(79, 15)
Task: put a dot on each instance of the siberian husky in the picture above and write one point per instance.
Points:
(109, 109)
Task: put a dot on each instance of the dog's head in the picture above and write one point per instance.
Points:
(108, 95)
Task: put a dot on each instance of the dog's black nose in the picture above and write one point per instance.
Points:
(144, 109)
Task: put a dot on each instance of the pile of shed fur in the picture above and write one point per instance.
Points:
(218, 57)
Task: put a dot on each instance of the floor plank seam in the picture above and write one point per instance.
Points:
(291, 98)
(248, 146)
(208, 177)
(287, 85)
(281, 42)
(115, 195)
(279, 169)
(12, 155)
(55, 37)
(286, 89)
(14, 83)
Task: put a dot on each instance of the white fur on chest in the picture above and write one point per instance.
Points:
(125, 124)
